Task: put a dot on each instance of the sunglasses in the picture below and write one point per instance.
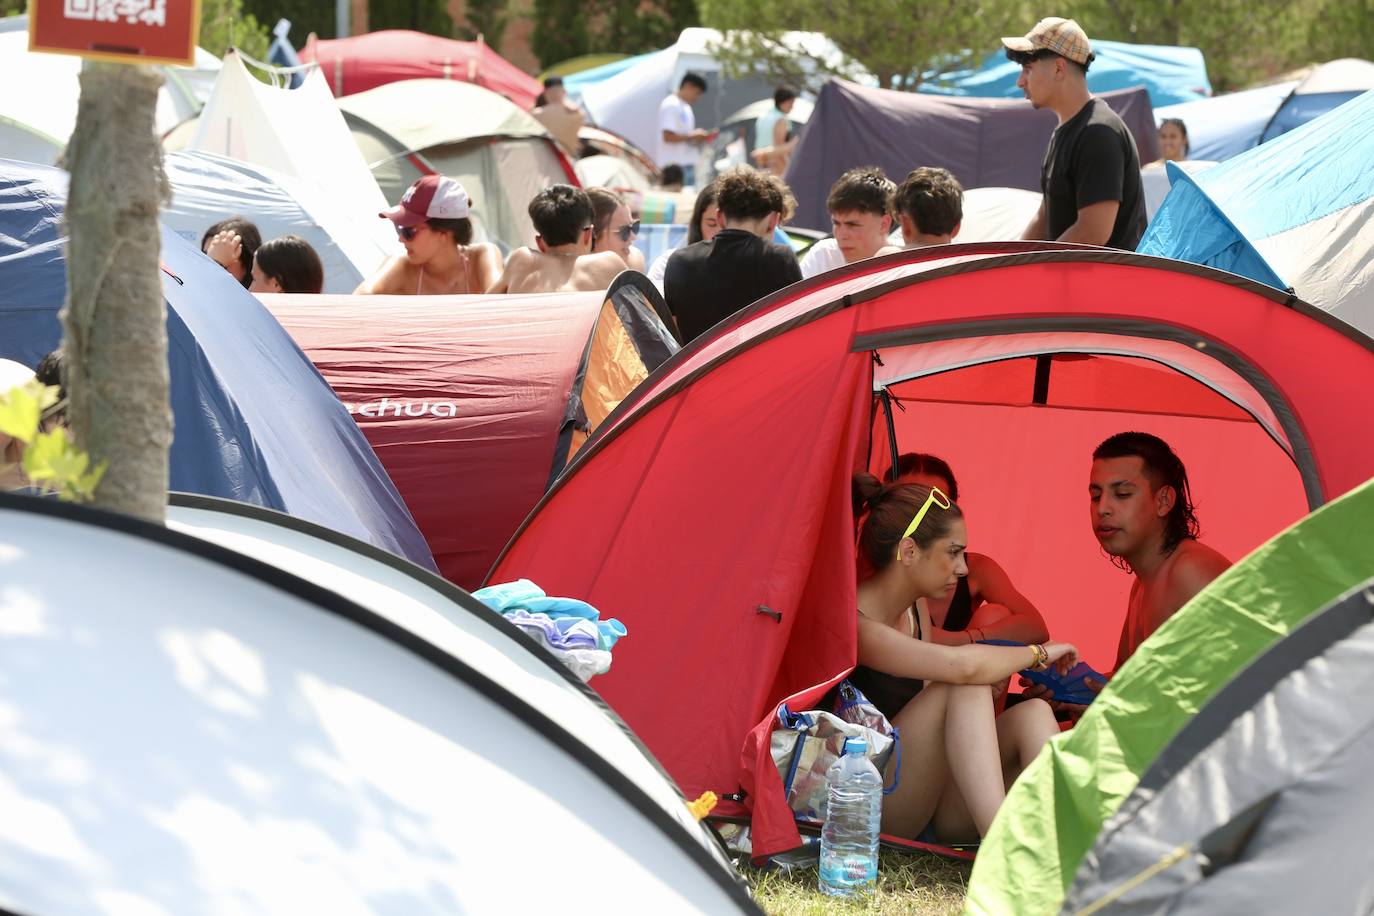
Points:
(628, 231)
(936, 497)
(406, 233)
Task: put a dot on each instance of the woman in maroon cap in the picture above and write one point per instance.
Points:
(432, 222)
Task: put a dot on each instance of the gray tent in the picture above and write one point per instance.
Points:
(1261, 803)
(185, 728)
(984, 142)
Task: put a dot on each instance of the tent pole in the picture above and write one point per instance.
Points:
(891, 429)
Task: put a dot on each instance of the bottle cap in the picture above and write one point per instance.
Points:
(856, 746)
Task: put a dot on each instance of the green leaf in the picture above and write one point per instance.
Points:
(21, 409)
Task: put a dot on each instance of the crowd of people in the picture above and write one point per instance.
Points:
(925, 606)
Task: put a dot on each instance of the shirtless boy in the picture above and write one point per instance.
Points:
(1142, 514)
(433, 222)
(562, 217)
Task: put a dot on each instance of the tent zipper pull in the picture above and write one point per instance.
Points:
(765, 609)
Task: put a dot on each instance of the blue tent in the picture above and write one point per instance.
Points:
(1227, 125)
(1296, 211)
(576, 82)
(254, 421)
(1171, 74)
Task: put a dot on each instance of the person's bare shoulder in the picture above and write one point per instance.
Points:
(390, 280)
(598, 270)
(1194, 567)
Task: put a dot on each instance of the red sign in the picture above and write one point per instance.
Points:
(124, 31)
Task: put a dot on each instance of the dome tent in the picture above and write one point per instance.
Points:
(1326, 88)
(474, 404)
(1145, 728)
(252, 419)
(747, 440)
(308, 752)
(362, 62)
(501, 155)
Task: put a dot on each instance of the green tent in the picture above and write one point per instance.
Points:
(1054, 812)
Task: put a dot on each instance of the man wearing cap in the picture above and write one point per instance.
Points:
(432, 221)
(1090, 177)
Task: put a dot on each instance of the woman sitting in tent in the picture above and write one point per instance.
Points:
(985, 604)
(613, 228)
(958, 756)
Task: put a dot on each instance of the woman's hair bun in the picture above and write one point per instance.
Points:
(867, 491)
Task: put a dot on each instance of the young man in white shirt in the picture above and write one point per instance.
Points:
(679, 137)
(860, 206)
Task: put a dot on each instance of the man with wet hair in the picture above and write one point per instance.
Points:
(562, 217)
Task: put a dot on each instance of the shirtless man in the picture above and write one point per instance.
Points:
(562, 217)
(432, 221)
(1142, 514)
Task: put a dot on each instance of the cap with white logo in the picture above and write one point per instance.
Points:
(432, 197)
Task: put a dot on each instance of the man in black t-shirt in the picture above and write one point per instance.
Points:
(707, 282)
(1090, 178)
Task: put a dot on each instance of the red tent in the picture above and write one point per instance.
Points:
(475, 403)
(712, 512)
(366, 61)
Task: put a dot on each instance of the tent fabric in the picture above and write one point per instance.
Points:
(310, 750)
(1302, 204)
(425, 604)
(253, 420)
(853, 125)
(501, 155)
(473, 403)
(298, 132)
(1154, 180)
(1056, 809)
(627, 101)
(1285, 783)
(1227, 125)
(1325, 88)
(363, 62)
(207, 188)
(38, 107)
(1173, 75)
(747, 440)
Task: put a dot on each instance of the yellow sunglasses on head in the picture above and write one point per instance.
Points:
(937, 498)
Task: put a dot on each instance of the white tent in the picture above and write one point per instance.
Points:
(187, 729)
(296, 132)
(38, 106)
(207, 188)
(991, 214)
(627, 103)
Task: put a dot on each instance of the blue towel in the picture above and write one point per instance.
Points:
(508, 595)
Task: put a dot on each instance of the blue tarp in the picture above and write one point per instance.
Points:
(1227, 125)
(1318, 170)
(576, 82)
(254, 420)
(1171, 74)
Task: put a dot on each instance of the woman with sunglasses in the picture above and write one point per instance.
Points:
(433, 222)
(985, 604)
(613, 228)
(958, 755)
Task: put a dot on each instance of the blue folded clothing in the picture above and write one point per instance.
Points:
(1066, 688)
(523, 595)
(508, 595)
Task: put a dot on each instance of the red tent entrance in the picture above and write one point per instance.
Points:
(720, 489)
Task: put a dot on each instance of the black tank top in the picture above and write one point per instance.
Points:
(888, 692)
(960, 608)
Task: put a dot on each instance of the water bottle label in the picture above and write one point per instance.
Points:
(848, 871)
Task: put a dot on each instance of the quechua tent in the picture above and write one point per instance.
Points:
(475, 403)
(1142, 747)
(357, 739)
(253, 421)
(501, 155)
(732, 555)
(984, 142)
(363, 62)
(1327, 87)
(1295, 212)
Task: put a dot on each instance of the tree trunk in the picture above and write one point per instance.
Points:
(115, 322)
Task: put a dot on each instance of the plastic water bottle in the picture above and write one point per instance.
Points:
(854, 806)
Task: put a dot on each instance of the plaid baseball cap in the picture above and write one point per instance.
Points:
(432, 197)
(1062, 36)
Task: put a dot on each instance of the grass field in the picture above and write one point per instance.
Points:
(915, 883)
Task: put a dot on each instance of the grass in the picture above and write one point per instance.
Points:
(917, 883)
